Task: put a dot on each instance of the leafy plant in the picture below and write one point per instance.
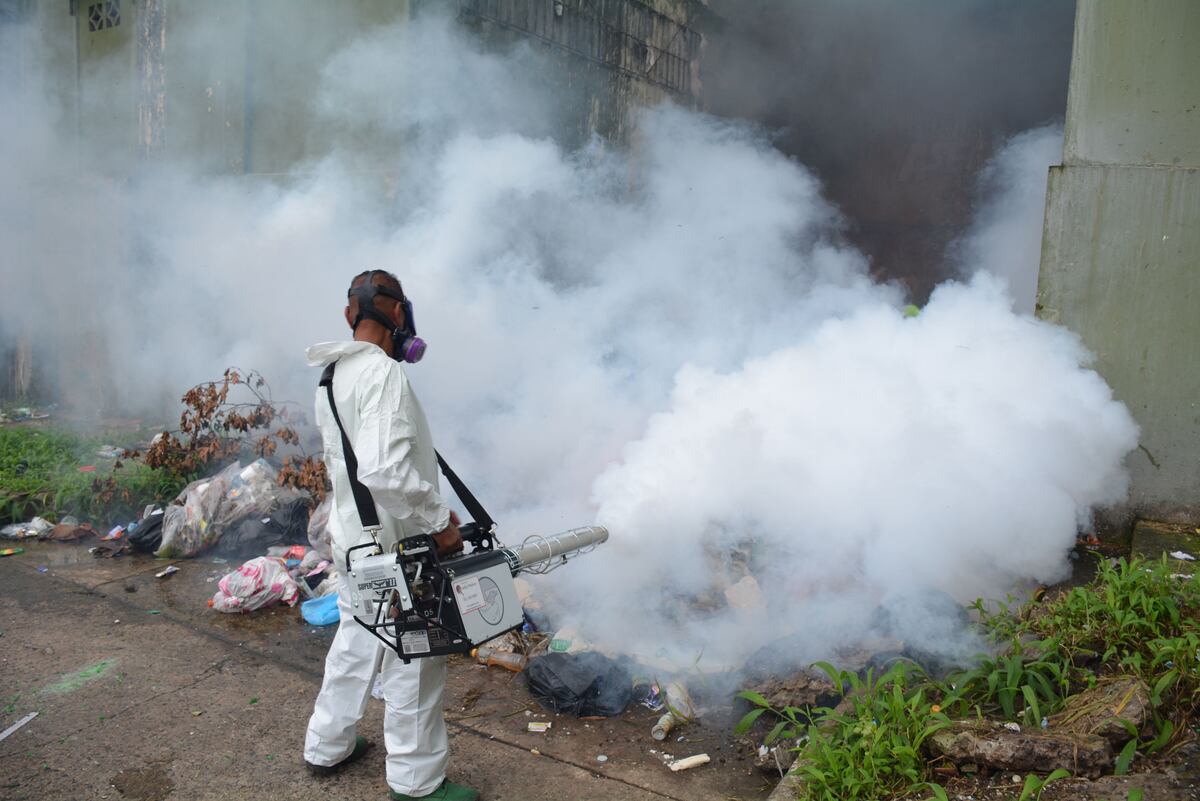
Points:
(1035, 785)
(1136, 618)
(1029, 681)
(214, 429)
(40, 475)
(871, 749)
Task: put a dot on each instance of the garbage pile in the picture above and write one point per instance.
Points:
(241, 508)
(24, 413)
(240, 513)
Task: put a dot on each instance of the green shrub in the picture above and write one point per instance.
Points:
(39, 475)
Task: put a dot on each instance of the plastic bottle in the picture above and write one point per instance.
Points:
(487, 655)
(663, 727)
(680, 709)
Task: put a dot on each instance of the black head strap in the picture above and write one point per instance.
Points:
(366, 293)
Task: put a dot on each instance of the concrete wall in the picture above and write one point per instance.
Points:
(612, 57)
(203, 80)
(1134, 95)
(1121, 251)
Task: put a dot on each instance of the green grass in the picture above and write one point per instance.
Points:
(1137, 618)
(39, 475)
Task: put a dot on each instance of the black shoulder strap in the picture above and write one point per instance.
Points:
(474, 507)
(362, 495)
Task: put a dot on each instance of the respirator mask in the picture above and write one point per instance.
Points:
(406, 345)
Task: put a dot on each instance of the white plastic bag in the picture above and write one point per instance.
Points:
(260, 582)
(318, 528)
(187, 525)
(208, 508)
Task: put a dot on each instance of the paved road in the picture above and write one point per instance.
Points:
(143, 694)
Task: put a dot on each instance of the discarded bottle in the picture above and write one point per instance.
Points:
(663, 727)
(680, 709)
(487, 655)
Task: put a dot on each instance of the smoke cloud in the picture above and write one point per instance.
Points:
(895, 106)
(1005, 237)
(672, 338)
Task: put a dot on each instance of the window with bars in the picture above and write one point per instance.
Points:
(625, 35)
(102, 16)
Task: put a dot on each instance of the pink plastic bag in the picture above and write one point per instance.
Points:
(258, 583)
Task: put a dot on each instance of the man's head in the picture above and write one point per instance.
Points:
(379, 312)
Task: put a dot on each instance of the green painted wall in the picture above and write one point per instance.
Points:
(1121, 250)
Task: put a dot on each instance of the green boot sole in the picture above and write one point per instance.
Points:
(449, 791)
(361, 746)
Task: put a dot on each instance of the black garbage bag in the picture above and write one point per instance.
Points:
(582, 684)
(286, 525)
(291, 520)
(147, 535)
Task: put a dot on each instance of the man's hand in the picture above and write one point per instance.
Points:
(449, 540)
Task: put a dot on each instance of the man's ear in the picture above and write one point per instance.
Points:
(349, 319)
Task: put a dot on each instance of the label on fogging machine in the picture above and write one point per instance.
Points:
(376, 578)
(469, 595)
(415, 642)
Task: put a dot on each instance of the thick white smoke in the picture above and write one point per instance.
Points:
(668, 338)
(1005, 237)
(956, 451)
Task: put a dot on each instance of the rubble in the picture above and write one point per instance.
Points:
(989, 743)
(804, 689)
(746, 596)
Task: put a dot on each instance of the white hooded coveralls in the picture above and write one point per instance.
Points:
(397, 463)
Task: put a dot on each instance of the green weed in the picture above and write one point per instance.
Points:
(39, 475)
(870, 750)
(1137, 618)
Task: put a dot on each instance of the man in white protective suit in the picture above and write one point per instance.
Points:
(390, 437)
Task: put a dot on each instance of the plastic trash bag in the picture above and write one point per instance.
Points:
(258, 583)
(321, 611)
(318, 528)
(583, 684)
(21, 531)
(187, 524)
(213, 506)
(146, 534)
(285, 524)
(252, 491)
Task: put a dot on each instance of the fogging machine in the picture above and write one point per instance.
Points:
(420, 605)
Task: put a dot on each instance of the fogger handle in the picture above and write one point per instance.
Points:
(544, 549)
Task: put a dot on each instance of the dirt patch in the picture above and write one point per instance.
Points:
(150, 783)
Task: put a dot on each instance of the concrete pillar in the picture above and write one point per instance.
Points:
(151, 43)
(1121, 250)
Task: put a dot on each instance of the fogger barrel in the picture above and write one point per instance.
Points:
(419, 605)
(538, 551)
